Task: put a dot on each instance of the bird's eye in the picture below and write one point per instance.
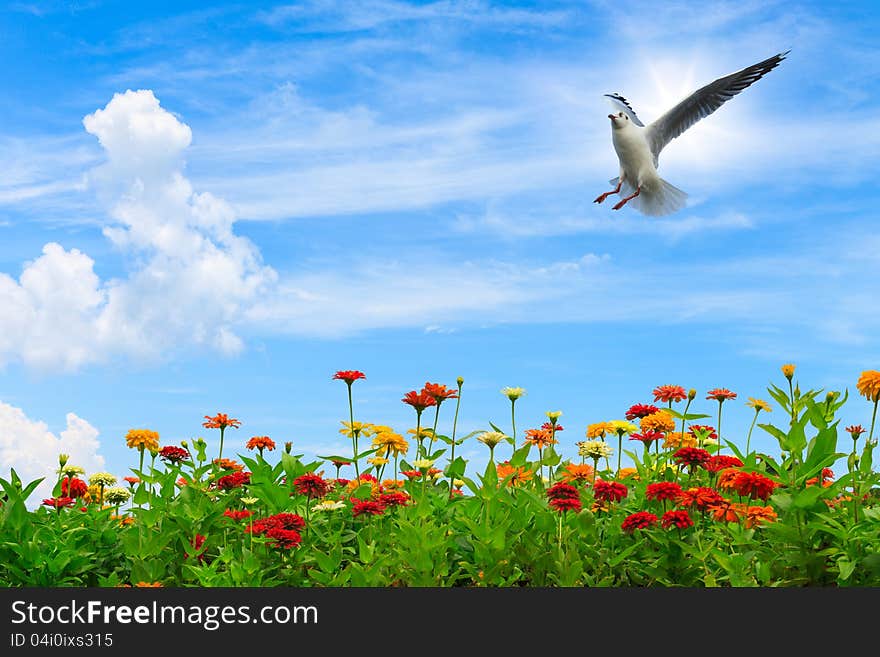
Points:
(620, 114)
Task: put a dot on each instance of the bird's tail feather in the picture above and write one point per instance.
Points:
(658, 202)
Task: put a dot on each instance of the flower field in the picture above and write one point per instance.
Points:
(699, 508)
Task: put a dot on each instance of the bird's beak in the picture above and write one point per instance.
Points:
(612, 117)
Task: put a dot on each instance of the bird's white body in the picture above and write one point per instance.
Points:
(638, 146)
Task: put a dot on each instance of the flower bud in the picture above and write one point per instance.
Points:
(459, 381)
(788, 371)
(692, 393)
(62, 459)
(184, 444)
(288, 446)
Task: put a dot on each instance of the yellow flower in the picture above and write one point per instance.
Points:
(513, 393)
(758, 405)
(423, 464)
(491, 438)
(390, 443)
(363, 429)
(377, 460)
(660, 421)
(554, 415)
(143, 439)
(424, 432)
(621, 427)
(597, 430)
(788, 371)
(869, 385)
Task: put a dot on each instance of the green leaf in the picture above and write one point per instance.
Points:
(808, 497)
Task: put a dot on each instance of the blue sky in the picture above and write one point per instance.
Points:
(212, 208)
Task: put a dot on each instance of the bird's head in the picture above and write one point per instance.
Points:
(619, 121)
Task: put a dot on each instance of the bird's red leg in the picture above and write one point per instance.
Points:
(605, 195)
(628, 198)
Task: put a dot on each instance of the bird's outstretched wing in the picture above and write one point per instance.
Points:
(703, 102)
(621, 103)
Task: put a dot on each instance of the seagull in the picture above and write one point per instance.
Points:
(638, 146)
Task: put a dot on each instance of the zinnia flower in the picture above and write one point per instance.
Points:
(855, 430)
(691, 456)
(594, 449)
(234, 480)
(73, 487)
(349, 376)
(540, 438)
(71, 470)
(423, 464)
(419, 400)
(646, 437)
(676, 439)
(726, 478)
(620, 427)
(311, 485)
(513, 393)
(669, 393)
(173, 454)
(676, 518)
(720, 462)
(517, 475)
(491, 438)
(640, 411)
(759, 515)
(552, 427)
(720, 394)
(703, 434)
(439, 392)
(328, 505)
(869, 385)
(236, 515)
(368, 507)
(702, 498)
(727, 511)
(220, 421)
(396, 498)
(228, 464)
(660, 421)
(116, 495)
(759, 405)
(284, 538)
(662, 491)
(577, 472)
(597, 430)
(388, 442)
(563, 504)
(753, 485)
(788, 371)
(639, 520)
(609, 491)
(143, 439)
(102, 479)
(260, 443)
(59, 502)
(364, 429)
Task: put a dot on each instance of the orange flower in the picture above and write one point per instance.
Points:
(669, 393)
(517, 475)
(869, 385)
(720, 394)
(577, 472)
(148, 585)
(143, 439)
(727, 478)
(261, 443)
(419, 400)
(676, 440)
(628, 472)
(728, 511)
(540, 438)
(439, 392)
(220, 421)
(759, 515)
(228, 464)
(597, 430)
(660, 421)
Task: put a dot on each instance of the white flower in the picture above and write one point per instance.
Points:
(116, 495)
(513, 393)
(328, 505)
(423, 464)
(491, 438)
(102, 479)
(594, 449)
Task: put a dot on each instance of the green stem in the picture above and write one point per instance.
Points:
(720, 403)
(513, 422)
(140, 471)
(454, 426)
(619, 450)
(434, 430)
(684, 415)
(873, 419)
(749, 437)
(354, 433)
(791, 395)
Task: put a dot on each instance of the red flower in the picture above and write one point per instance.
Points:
(691, 456)
(827, 478)
(668, 393)
(367, 506)
(720, 394)
(549, 427)
(754, 485)
(679, 519)
(638, 520)
(647, 437)
(220, 421)
(233, 514)
(74, 487)
(173, 454)
(59, 502)
(411, 474)
(439, 392)
(663, 490)
(311, 485)
(719, 462)
(702, 498)
(234, 480)
(197, 544)
(562, 491)
(288, 521)
(418, 400)
(855, 430)
(609, 491)
(563, 504)
(349, 376)
(284, 538)
(132, 481)
(640, 410)
(394, 499)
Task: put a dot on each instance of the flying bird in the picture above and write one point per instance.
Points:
(638, 146)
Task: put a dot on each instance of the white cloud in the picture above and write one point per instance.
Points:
(32, 450)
